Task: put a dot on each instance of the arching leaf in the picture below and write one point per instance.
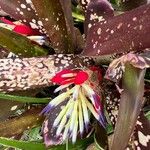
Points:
(130, 104)
(126, 32)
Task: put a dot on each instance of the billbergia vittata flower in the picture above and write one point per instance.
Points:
(81, 101)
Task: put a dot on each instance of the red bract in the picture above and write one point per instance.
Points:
(70, 76)
(20, 28)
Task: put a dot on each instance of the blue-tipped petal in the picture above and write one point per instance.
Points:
(70, 109)
(47, 109)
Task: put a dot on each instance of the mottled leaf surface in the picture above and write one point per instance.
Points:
(23, 10)
(97, 11)
(140, 137)
(30, 73)
(126, 32)
(56, 23)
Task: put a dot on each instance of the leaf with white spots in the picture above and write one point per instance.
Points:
(19, 44)
(97, 11)
(123, 33)
(23, 11)
(57, 20)
(141, 135)
(142, 124)
(30, 73)
(117, 66)
(84, 4)
(131, 102)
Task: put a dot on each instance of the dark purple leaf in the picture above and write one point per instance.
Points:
(23, 11)
(140, 137)
(130, 4)
(101, 138)
(28, 73)
(57, 20)
(130, 104)
(97, 11)
(126, 32)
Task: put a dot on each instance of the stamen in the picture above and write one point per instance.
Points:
(68, 75)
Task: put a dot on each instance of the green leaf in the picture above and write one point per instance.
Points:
(19, 44)
(148, 115)
(130, 4)
(21, 144)
(130, 105)
(23, 99)
(80, 145)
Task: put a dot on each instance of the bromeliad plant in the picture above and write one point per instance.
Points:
(40, 28)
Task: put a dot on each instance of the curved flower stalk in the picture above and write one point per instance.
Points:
(80, 99)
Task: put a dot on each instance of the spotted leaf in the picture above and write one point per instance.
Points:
(140, 136)
(117, 66)
(126, 32)
(58, 23)
(97, 11)
(31, 73)
(131, 102)
(23, 10)
(84, 4)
